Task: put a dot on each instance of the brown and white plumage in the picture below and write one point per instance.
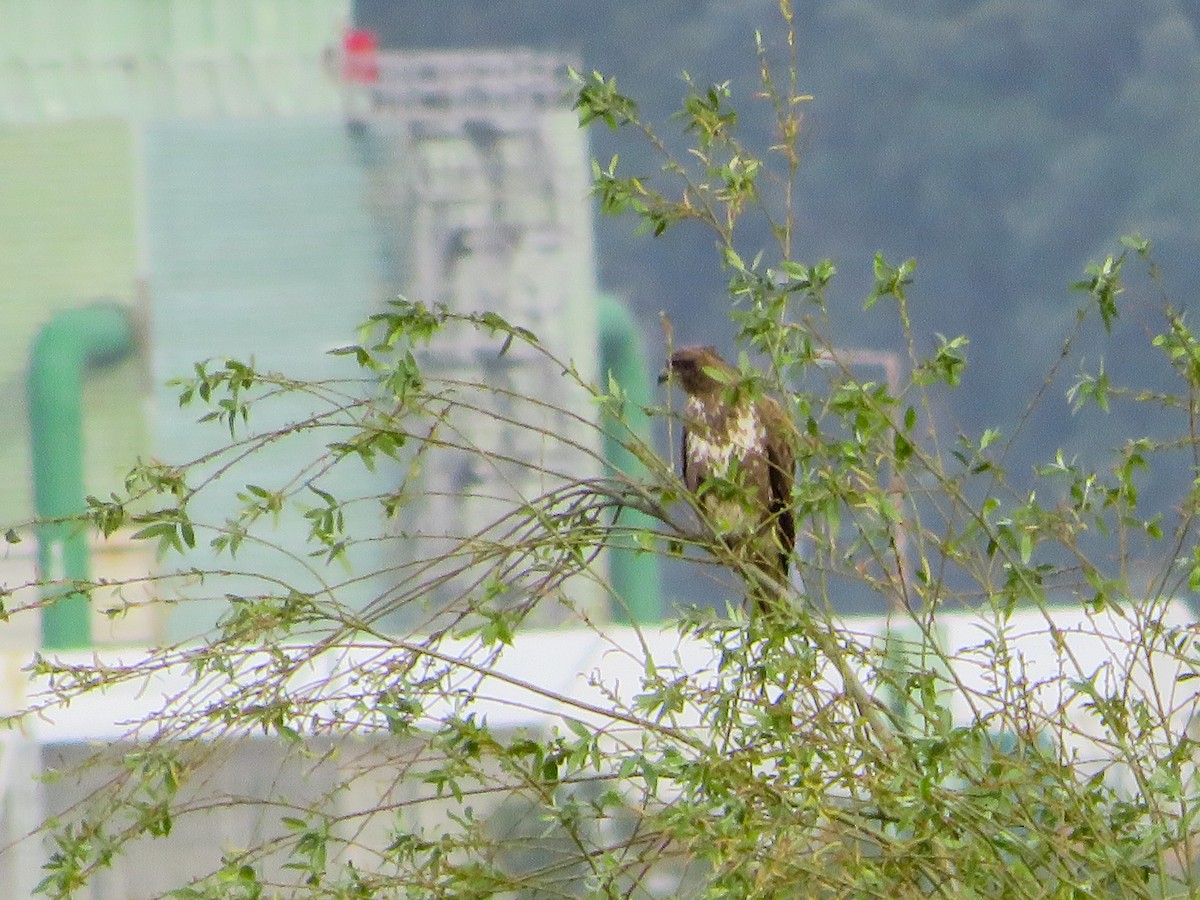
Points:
(737, 459)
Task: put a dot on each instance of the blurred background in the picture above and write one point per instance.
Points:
(254, 179)
(184, 179)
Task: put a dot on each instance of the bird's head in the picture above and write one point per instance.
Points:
(698, 370)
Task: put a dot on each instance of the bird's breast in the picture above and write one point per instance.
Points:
(717, 437)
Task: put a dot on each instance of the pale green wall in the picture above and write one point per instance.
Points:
(77, 80)
(67, 237)
(259, 247)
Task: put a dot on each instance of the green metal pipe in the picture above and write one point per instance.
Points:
(632, 571)
(69, 344)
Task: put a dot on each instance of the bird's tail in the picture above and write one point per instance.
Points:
(768, 588)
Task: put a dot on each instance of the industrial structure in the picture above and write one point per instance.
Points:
(478, 176)
(254, 181)
(183, 180)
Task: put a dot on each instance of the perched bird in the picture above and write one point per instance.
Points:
(739, 461)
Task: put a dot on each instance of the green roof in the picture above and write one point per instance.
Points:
(72, 59)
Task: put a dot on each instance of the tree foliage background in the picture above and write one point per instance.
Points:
(1005, 144)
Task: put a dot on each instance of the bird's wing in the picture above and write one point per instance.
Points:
(684, 462)
(781, 471)
(691, 469)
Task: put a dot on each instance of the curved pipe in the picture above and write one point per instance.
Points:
(70, 343)
(633, 572)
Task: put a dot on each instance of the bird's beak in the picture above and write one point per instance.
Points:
(665, 375)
